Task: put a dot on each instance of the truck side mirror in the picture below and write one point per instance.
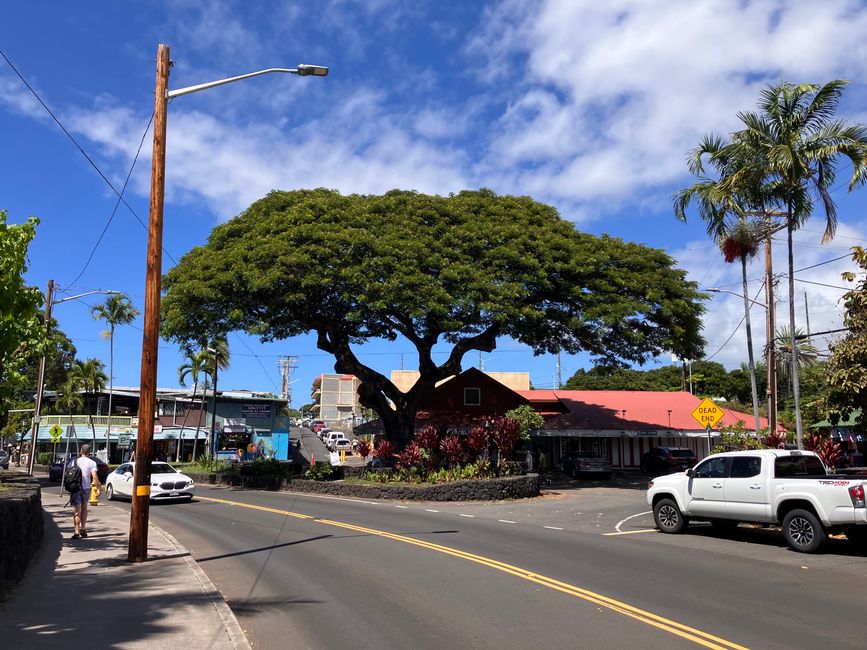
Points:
(689, 472)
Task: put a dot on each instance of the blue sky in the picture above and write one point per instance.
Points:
(588, 106)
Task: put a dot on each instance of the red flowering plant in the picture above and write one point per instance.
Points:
(828, 450)
(384, 451)
(428, 439)
(410, 457)
(506, 432)
(774, 440)
(363, 449)
(477, 441)
(453, 450)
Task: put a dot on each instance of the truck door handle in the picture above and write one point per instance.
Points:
(755, 486)
(717, 485)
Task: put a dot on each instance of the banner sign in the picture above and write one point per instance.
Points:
(256, 410)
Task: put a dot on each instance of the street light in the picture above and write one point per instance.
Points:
(37, 407)
(138, 530)
(772, 377)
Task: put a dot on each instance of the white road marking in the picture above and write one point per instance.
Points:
(553, 528)
(326, 496)
(471, 516)
(505, 521)
(631, 532)
(622, 521)
(430, 510)
(404, 507)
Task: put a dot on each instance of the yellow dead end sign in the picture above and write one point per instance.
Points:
(707, 413)
(56, 432)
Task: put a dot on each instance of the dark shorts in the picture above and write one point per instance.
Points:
(78, 498)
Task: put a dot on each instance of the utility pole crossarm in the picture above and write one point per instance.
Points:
(302, 70)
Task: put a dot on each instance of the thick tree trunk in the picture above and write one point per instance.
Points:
(796, 391)
(752, 363)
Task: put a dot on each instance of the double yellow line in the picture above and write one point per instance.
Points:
(684, 631)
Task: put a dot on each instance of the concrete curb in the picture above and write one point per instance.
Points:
(230, 622)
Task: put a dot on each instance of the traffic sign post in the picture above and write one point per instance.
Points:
(708, 414)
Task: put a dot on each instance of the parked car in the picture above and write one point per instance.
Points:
(4, 459)
(55, 472)
(331, 437)
(587, 464)
(166, 483)
(764, 486)
(341, 443)
(323, 433)
(667, 460)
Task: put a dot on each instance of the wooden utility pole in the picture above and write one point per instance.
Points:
(771, 326)
(138, 523)
(40, 386)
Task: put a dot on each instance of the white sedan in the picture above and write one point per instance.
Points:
(166, 483)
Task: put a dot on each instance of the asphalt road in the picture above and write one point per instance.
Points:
(571, 569)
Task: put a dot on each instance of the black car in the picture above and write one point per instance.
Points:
(55, 472)
(667, 460)
(4, 459)
(586, 464)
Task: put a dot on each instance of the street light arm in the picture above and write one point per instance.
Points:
(87, 293)
(755, 302)
(302, 70)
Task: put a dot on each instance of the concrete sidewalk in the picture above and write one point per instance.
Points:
(83, 594)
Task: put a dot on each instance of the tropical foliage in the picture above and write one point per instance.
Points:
(463, 270)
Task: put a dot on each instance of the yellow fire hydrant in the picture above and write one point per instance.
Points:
(94, 494)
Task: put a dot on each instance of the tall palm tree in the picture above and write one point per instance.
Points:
(806, 354)
(192, 367)
(69, 398)
(116, 310)
(726, 211)
(91, 378)
(797, 142)
(217, 352)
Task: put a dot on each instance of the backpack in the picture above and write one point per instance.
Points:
(72, 478)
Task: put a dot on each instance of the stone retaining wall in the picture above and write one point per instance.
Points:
(21, 526)
(511, 487)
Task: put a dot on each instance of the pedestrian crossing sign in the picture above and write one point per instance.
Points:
(56, 432)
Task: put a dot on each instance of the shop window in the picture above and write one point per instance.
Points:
(472, 396)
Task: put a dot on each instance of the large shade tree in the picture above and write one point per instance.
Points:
(458, 271)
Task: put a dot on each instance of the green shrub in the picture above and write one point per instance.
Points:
(320, 472)
(45, 457)
(209, 463)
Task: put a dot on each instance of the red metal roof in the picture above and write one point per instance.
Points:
(628, 410)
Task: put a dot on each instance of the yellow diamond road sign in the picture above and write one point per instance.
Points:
(56, 432)
(707, 413)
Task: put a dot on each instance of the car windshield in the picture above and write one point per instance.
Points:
(162, 468)
(682, 453)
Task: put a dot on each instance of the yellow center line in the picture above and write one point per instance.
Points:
(630, 532)
(254, 507)
(673, 627)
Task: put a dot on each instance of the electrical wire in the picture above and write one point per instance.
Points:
(116, 203)
(78, 146)
(735, 330)
(256, 356)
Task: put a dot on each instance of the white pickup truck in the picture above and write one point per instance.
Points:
(765, 486)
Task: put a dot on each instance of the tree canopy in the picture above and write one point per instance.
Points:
(461, 270)
(22, 334)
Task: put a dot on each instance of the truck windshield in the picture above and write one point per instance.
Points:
(787, 466)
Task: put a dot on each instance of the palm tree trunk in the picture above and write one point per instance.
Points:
(796, 391)
(110, 388)
(183, 424)
(752, 364)
(196, 438)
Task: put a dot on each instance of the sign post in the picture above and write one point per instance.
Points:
(708, 414)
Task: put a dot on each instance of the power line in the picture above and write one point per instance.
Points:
(116, 203)
(735, 330)
(822, 284)
(78, 146)
(258, 360)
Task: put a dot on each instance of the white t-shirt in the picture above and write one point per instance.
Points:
(86, 465)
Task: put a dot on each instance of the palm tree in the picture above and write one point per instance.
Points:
(69, 397)
(797, 141)
(193, 366)
(217, 352)
(806, 354)
(90, 377)
(116, 310)
(725, 209)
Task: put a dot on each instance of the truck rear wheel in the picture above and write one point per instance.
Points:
(668, 517)
(803, 531)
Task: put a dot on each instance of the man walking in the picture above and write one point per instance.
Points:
(79, 498)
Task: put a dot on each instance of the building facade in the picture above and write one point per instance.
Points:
(335, 400)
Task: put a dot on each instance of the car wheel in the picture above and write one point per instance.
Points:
(803, 531)
(109, 492)
(668, 517)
